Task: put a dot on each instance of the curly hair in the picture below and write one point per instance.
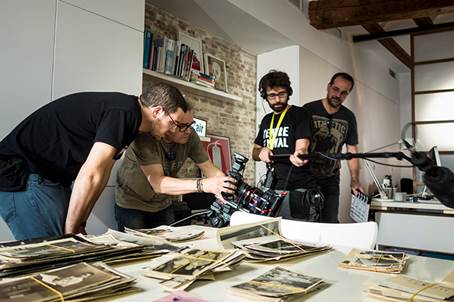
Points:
(274, 78)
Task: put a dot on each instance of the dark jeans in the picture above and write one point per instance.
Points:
(329, 186)
(136, 219)
(39, 211)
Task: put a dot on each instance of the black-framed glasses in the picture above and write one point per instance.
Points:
(343, 93)
(281, 95)
(181, 127)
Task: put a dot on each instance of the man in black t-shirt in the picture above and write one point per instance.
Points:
(281, 132)
(75, 138)
(331, 126)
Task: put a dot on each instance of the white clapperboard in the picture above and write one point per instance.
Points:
(359, 210)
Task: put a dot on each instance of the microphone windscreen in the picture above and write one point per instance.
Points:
(440, 181)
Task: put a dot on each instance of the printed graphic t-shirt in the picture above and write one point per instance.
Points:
(290, 130)
(328, 133)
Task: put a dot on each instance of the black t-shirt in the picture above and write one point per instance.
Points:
(328, 133)
(56, 139)
(290, 130)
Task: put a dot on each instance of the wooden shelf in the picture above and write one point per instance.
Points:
(194, 88)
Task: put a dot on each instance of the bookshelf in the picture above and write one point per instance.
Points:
(193, 88)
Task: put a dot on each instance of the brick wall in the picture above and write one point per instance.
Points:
(233, 119)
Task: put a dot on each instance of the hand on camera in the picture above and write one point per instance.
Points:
(219, 184)
(296, 161)
(265, 154)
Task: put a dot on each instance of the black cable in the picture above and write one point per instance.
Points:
(287, 178)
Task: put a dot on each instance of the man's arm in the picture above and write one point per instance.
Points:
(301, 147)
(89, 183)
(353, 166)
(175, 186)
(260, 153)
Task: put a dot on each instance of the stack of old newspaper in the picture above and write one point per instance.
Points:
(18, 258)
(274, 247)
(178, 270)
(278, 284)
(262, 241)
(150, 246)
(403, 288)
(77, 282)
(169, 233)
(376, 261)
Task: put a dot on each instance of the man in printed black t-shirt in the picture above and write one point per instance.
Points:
(75, 138)
(331, 126)
(281, 132)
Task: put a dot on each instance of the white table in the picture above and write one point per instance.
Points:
(420, 226)
(347, 285)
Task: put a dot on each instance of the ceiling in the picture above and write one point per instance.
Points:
(350, 18)
(383, 26)
(225, 20)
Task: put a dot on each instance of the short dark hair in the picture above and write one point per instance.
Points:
(165, 95)
(274, 78)
(343, 75)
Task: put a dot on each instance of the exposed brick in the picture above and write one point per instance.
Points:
(235, 120)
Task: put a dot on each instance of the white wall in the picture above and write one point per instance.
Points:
(375, 98)
(51, 48)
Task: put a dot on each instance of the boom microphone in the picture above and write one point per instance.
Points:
(440, 181)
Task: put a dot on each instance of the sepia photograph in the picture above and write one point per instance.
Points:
(216, 67)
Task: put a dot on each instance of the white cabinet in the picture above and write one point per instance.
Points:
(103, 216)
(26, 43)
(127, 12)
(94, 53)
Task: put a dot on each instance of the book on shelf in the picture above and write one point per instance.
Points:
(147, 38)
(169, 56)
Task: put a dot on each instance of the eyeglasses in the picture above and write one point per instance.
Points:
(280, 95)
(343, 93)
(181, 127)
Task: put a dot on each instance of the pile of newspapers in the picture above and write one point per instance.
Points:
(404, 288)
(277, 285)
(18, 258)
(375, 261)
(178, 270)
(169, 233)
(77, 282)
(275, 247)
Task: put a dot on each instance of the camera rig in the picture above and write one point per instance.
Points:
(248, 199)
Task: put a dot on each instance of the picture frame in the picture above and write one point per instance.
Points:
(218, 149)
(216, 67)
(200, 126)
(196, 45)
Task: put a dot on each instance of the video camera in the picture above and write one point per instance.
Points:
(248, 199)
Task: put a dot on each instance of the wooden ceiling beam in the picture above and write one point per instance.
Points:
(324, 14)
(423, 22)
(390, 44)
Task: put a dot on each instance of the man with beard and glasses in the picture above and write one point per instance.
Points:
(281, 132)
(147, 178)
(331, 126)
(55, 164)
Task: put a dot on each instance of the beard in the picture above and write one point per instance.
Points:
(279, 107)
(334, 102)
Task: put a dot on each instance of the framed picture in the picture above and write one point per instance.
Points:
(200, 127)
(216, 67)
(196, 46)
(218, 149)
